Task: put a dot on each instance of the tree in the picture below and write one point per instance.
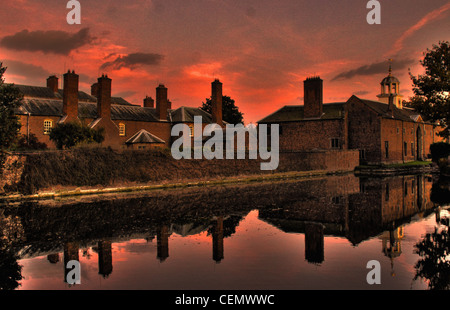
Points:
(432, 89)
(68, 135)
(230, 112)
(10, 98)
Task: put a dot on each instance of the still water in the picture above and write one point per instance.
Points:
(290, 235)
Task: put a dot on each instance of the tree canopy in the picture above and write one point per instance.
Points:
(68, 135)
(432, 89)
(9, 100)
(230, 112)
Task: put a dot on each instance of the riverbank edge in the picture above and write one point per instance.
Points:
(63, 193)
(396, 169)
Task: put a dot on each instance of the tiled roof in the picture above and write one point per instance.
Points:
(39, 92)
(405, 114)
(295, 113)
(144, 136)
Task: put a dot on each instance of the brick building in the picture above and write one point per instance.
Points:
(126, 125)
(383, 131)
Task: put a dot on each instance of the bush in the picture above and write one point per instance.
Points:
(28, 144)
(439, 150)
(68, 135)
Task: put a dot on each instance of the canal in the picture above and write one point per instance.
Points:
(316, 233)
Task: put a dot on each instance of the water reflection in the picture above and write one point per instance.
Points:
(344, 206)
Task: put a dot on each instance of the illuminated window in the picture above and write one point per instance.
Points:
(191, 130)
(122, 131)
(48, 125)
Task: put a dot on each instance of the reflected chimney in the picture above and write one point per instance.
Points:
(70, 253)
(52, 83)
(217, 236)
(105, 265)
(162, 241)
(314, 243)
(70, 96)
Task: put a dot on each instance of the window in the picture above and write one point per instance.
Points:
(412, 148)
(405, 146)
(334, 143)
(122, 129)
(398, 130)
(191, 130)
(386, 196)
(48, 125)
(386, 148)
(362, 154)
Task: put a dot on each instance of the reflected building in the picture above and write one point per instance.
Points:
(354, 208)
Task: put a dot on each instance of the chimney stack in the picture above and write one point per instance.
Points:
(149, 102)
(216, 102)
(70, 95)
(104, 97)
(94, 89)
(161, 102)
(313, 97)
(169, 104)
(52, 83)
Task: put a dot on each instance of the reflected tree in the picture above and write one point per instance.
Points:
(10, 271)
(434, 265)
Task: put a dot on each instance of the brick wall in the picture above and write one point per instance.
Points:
(364, 128)
(312, 135)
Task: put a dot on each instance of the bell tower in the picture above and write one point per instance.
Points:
(390, 86)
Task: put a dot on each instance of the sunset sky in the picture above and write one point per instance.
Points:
(261, 50)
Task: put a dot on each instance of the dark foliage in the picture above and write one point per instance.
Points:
(230, 112)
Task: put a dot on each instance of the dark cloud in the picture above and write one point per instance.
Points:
(375, 68)
(29, 71)
(133, 60)
(52, 41)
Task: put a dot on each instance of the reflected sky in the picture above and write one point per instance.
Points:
(316, 233)
(257, 256)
